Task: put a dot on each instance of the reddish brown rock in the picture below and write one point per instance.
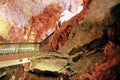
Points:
(60, 36)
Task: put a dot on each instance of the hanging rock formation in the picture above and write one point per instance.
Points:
(90, 40)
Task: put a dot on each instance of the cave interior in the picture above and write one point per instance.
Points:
(59, 39)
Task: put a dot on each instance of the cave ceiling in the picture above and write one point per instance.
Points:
(15, 16)
(17, 13)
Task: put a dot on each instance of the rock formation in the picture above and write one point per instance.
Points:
(91, 40)
(87, 47)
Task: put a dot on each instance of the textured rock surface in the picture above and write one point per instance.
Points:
(42, 25)
(15, 16)
(92, 25)
(91, 43)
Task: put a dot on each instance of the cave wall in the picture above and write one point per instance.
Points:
(86, 26)
(91, 39)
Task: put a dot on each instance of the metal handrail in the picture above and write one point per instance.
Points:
(21, 47)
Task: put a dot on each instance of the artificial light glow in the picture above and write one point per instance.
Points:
(16, 50)
(55, 65)
(3, 26)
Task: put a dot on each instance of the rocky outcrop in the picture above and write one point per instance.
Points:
(61, 35)
(84, 27)
(91, 39)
